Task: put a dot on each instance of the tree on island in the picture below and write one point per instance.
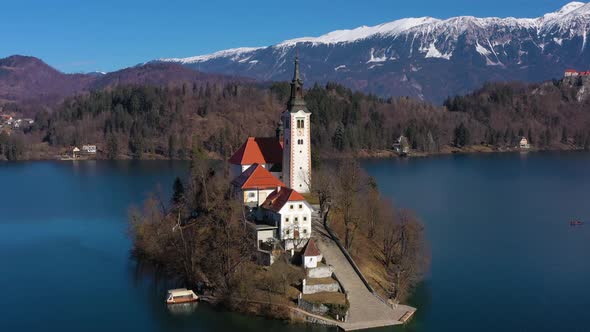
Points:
(178, 188)
(372, 229)
(200, 237)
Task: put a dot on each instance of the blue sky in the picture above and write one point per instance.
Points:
(89, 35)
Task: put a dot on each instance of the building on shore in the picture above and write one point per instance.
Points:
(524, 143)
(90, 149)
(402, 146)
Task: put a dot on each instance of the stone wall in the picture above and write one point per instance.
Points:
(319, 288)
(320, 272)
(316, 308)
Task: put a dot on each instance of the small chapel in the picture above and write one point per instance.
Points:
(271, 175)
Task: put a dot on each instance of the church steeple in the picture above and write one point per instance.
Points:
(296, 122)
(296, 102)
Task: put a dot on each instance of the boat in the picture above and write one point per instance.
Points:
(576, 223)
(181, 295)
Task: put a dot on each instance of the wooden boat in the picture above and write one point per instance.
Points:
(576, 223)
(181, 295)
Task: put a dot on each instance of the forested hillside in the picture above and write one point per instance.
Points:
(152, 122)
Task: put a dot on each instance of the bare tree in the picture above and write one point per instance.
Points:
(406, 253)
(372, 208)
(349, 183)
(322, 187)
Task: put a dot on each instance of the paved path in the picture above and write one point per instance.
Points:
(366, 310)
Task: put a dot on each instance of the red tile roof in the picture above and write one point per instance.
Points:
(257, 177)
(277, 199)
(261, 150)
(311, 249)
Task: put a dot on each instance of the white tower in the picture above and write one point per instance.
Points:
(297, 138)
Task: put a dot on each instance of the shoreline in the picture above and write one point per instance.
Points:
(362, 154)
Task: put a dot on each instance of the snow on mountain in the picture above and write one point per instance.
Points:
(423, 56)
(235, 54)
(570, 7)
(348, 36)
(449, 28)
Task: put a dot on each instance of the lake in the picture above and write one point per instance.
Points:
(504, 257)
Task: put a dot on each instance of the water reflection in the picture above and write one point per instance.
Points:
(182, 309)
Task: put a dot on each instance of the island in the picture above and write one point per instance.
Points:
(266, 234)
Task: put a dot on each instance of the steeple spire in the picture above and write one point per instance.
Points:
(296, 77)
(296, 99)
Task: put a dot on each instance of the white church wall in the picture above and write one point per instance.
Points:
(295, 218)
(256, 197)
(299, 150)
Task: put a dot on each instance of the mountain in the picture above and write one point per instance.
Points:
(25, 78)
(424, 57)
(32, 84)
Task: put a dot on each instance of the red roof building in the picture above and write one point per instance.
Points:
(278, 198)
(257, 177)
(259, 150)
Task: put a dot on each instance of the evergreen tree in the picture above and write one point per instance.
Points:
(178, 189)
(112, 147)
(462, 137)
(172, 146)
(339, 138)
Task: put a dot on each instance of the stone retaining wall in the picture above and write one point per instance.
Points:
(316, 308)
(320, 272)
(319, 288)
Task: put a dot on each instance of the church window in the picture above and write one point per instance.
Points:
(287, 232)
(304, 218)
(300, 123)
(251, 195)
(286, 219)
(291, 206)
(301, 206)
(296, 219)
(305, 231)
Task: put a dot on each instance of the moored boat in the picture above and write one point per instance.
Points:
(576, 223)
(181, 295)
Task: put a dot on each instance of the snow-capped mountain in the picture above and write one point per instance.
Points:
(423, 57)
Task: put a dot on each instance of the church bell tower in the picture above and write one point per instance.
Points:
(297, 138)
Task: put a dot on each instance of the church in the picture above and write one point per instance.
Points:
(271, 175)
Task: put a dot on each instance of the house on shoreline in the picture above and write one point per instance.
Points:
(271, 174)
(524, 143)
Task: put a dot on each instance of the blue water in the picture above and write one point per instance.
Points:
(65, 258)
(504, 257)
